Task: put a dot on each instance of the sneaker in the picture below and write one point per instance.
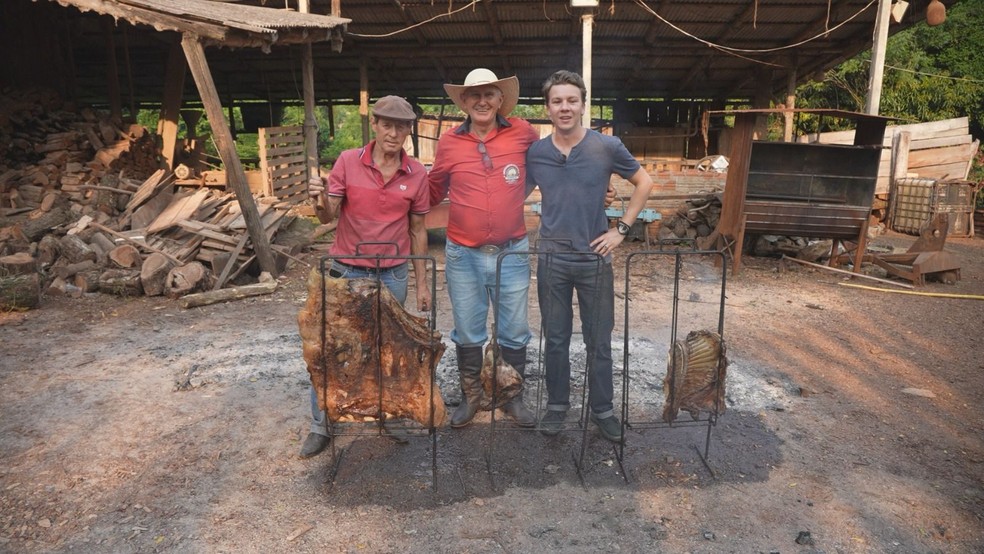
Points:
(610, 427)
(314, 444)
(552, 422)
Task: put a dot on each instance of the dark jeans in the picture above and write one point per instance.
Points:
(594, 282)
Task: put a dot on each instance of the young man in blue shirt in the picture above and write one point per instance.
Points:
(573, 167)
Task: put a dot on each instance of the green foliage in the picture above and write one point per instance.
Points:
(931, 73)
(348, 129)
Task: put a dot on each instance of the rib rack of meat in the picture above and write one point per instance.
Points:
(376, 359)
(695, 376)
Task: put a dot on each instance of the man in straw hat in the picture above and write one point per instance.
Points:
(380, 195)
(480, 166)
(573, 168)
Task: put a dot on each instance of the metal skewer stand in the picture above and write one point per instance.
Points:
(379, 426)
(539, 374)
(632, 420)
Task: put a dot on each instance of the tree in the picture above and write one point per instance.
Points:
(930, 73)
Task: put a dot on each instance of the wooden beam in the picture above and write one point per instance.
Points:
(174, 79)
(364, 99)
(227, 151)
(112, 74)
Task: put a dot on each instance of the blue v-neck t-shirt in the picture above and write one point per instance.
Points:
(573, 189)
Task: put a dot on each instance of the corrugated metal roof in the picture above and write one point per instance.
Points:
(641, 48)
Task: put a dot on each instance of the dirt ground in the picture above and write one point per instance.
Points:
(133, 425)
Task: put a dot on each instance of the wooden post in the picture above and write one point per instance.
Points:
(112, 74)
(310, 123)
(587, 26)
(878, 57)
(129, 74)
(787, 128)
(364, 99)
(174, 79)
(898, 170)
(227, 151)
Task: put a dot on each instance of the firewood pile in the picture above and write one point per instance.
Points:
(696, 218)
(86, 207)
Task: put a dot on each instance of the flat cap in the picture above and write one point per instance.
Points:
(394, 107)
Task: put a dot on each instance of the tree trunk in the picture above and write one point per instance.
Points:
(121, 282)
(18, 292)
(154, 273)
(88, 281)
(224, 295)
(101, 242)
(68, 271)
(74, 249)
(20, 263)
(34, 229)
(48, 250)
(185, 279)
(125, 256)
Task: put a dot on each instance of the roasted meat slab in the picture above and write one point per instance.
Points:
(695, 378)
(500, 380)
(376, 358)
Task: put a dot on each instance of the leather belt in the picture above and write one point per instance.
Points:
(361, 267)
(496, 248)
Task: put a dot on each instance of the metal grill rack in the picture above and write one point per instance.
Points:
(380, 427)
(630, 420)
(537, 376)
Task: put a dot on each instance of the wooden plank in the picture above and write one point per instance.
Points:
(180, 208)
(288, 170)
(294, 194)
(290, 181)
(238, 222)
(284, 130)
(285, 160)
(232, 262)
(147, 189)
(939, 142)
(918, 131)
(276, 152)
(147, 213)
(207, 233)
(940, 156)
(285, 140)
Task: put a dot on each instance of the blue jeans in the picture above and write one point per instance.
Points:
(395, 279)
(470, 277)
(595, 285)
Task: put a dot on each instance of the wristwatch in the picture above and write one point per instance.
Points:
(623, 227)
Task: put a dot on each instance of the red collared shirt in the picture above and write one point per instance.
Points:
(374, 211)
(486, 203)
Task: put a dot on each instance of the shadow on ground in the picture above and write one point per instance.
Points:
(369, 469)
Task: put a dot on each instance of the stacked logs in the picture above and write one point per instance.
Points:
(85, 207)
(696, 218)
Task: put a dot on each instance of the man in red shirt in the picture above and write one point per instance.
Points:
(481, 167)
(380, 195)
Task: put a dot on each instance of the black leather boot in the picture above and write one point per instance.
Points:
(469, 374)
(515, 408)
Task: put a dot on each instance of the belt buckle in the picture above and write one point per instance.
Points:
(489, 249)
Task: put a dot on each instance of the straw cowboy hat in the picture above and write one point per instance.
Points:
(481, 76)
